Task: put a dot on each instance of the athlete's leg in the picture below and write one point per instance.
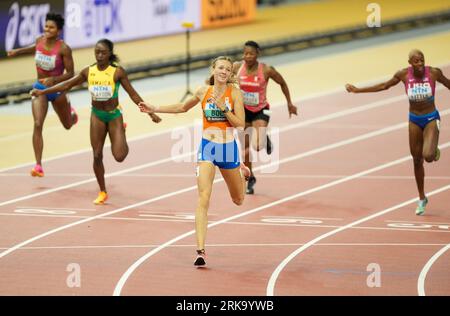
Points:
(260, 134)
(430, 141)
(235, 181)
(247, 137)
(62, 107)
(119, 146)
(205, 178)
(247, 157)
(416, 148)
(98, 133)
(39, 109)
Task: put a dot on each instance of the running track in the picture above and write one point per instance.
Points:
(343, 198)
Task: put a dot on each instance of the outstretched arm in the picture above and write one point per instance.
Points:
(278, 78)
(22, 51)
(63, 86)
(174, 108)
(440, 77)
(125, 82)
(378, 87)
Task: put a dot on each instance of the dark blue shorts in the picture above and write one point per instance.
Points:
(423, 120)
(222, 155)
(51, 97)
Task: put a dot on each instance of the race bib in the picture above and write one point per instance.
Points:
(251, 98)
(45, 62)
(213, 113)
(101, 93)
(419, 91)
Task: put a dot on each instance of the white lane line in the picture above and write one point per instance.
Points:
(88, 150)
(416, 222)
(288, 159)
(190, 175)
(50, 208)
(426, 268)
(285, 262)
(304, 217)
(233, 246)
(136, 264)
(304, 123)
(25, 174)
(174, 220)
(109, 175)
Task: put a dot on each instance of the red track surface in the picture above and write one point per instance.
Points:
(244, 252)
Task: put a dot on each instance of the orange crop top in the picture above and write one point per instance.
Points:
(212, 115)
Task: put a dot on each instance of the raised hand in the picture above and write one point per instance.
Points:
(11, 53)
(155, 118)
(292, 109)
(351, 88)
(35, 93)
(48, 82)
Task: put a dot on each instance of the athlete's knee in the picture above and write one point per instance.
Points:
(67, 126)
(429, 157)
(203, 197)
(239, 200)
(418, 161)
(204, 194)
(98, 157)
(38, 125)
(120, 157)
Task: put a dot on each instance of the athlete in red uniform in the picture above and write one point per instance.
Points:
(52, 57)
(253, 78)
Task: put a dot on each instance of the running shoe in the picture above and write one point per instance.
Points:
(420, 210)
(200, 259)
(250, 184)
(101, 198)
(37, 171)
(74, 115)
(438, 154)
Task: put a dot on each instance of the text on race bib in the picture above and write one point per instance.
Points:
(101, 93)
(251, 98)
(45, 62)
(419, 91)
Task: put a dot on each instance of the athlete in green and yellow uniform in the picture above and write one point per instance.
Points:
(104, 79)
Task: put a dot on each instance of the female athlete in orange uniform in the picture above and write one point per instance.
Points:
(223, 111)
